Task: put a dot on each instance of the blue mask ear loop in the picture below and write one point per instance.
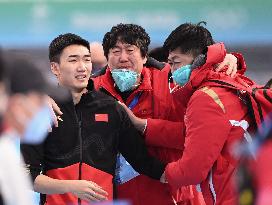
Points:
(171, 90)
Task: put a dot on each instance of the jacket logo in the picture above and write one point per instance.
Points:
(101, 117)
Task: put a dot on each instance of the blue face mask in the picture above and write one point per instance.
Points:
(182, 74)
(125, 79)
(37, 127)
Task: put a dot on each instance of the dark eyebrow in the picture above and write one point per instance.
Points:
(75, 56)
(172, 58)
(116, 47)
(72, 56)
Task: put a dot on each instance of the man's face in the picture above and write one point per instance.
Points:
(73, 70)
(22, 109)
(128, 56)
(177, 59)
(3, 99)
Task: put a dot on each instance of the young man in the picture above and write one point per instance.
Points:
(215, 118)
(77, 161)
(146, 92)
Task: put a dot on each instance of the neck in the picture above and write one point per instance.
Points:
(76, 95)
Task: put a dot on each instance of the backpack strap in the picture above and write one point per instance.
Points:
(268, 84)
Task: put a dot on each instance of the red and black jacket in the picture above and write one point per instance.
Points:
(85, 144)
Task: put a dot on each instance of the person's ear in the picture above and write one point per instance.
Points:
(145, 59)
(55, 68)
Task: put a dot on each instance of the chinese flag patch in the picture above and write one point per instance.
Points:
(101, 117)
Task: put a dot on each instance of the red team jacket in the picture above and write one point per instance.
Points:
(215, 118)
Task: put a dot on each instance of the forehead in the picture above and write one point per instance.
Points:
(120, 44)
(175, 54)
(75, 50)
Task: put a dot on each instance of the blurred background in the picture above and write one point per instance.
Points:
(28, 26)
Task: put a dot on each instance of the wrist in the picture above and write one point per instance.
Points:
(68, 186)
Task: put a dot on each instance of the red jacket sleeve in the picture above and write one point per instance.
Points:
(164, 133)
(207, 129)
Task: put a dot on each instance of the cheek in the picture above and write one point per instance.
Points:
(173, 68)
(138, 63)
(89, 67)
(112, 62)
(66, 74)
(176, 66)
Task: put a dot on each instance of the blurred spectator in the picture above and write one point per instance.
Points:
(25, 115)
(263, 166)
(97, 55)
(254, 177)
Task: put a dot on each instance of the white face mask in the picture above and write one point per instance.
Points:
(37, 128)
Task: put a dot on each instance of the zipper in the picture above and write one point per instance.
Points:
(80, 149)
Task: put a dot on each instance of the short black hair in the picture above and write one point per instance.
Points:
(126, 33)
(190, 39)
(159, 53)
(61, 42)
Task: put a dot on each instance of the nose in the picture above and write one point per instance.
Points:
(82, 66)
(123, 56)
(174, 66)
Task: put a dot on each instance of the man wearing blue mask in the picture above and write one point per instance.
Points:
(145, 92)
(215, 117)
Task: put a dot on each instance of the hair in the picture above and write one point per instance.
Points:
(61, 42)
(159, 53)
(126, 33)
(190, 39)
